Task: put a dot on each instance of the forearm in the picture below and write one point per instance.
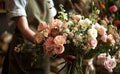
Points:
(22, 25)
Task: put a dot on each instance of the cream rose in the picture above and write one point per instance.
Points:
(92, 33)
(85, 23)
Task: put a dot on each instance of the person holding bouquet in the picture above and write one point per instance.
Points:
(23, 18)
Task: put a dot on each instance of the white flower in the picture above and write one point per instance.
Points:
(75, 29)
(85, 23)
(78, 38)
(70, 35)
(75, 41)
(66, 30)
(88, 21)
(92, 33)
(45, 34)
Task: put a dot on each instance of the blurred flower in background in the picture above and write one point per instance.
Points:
(110, 9)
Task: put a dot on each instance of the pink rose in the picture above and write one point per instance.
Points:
(106, 60)
(113, 8)
(109, 64)
(101, 58)
(102, 30)
(59, 40)
(106, 20)
(111, 39)
(49, 46)
(104, 38)
(97, 26)
(92, 43)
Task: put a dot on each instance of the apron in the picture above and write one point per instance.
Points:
(21, 63)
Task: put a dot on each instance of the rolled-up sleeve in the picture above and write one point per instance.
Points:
(15, 8)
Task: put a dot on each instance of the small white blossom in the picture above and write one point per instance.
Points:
(85, 23)
(92, 33)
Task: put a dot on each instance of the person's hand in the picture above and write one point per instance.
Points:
(68, 58)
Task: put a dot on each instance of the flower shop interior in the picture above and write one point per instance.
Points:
(91, 37)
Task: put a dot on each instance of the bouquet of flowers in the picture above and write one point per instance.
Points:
(78, 40)
(75, 38)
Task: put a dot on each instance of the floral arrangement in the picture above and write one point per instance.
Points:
(75, 38)
(79, 40)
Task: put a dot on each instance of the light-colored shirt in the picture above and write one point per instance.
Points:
(32, 9)
(15, 8)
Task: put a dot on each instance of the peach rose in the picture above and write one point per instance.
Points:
(49, 46)
(77, 17)
(41, 26)
(59, 40)
(65, 25)
(54, 49)
(102, 30)
(104, 38)
(39, 37)
(49, 41)
(59, 49)
(55, 23)
(111, 39)
(54, 32)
